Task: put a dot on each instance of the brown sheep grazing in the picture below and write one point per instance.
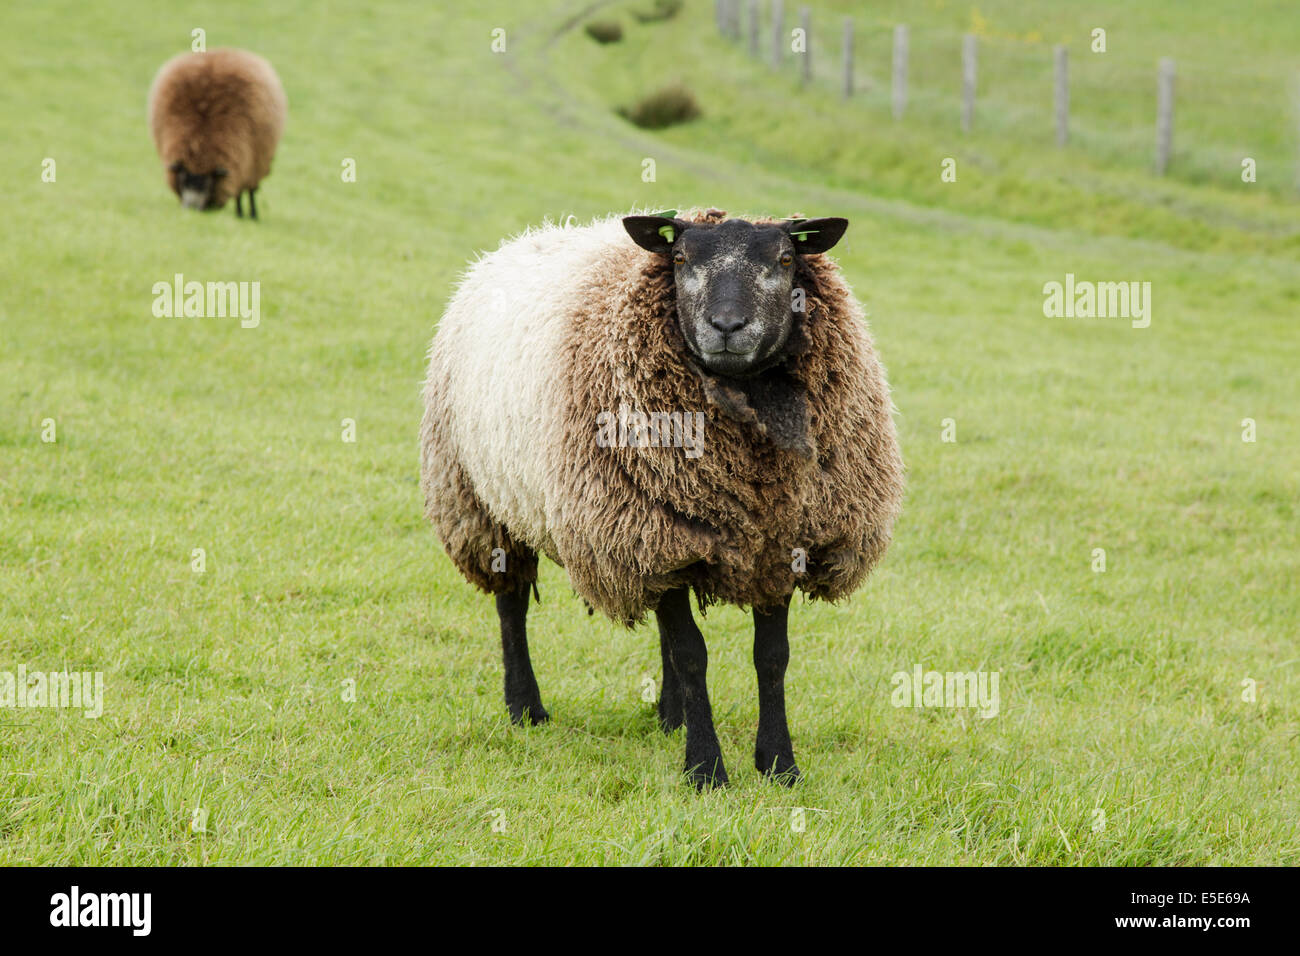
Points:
(216, 119)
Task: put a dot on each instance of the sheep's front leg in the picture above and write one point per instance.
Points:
(523, 698)
(773, 752)
(689, 659)
(239, 205)
(252, 202)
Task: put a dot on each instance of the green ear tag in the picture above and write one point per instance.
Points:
(667, 232)
(665, 214)
(803, 236)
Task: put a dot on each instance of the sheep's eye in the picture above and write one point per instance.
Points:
(786, 258)
(679, 258)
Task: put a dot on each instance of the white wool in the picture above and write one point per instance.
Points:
(498, 348)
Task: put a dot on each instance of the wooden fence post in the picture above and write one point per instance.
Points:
(967, 81)
(848, 57)
(1062, 97)
(900, 71)
(805, 24)
(1164, 114)
(753, 27)
(778, 34)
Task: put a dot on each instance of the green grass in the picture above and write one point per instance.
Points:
(1120, 691)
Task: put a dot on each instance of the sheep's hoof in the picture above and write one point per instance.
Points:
(703, 778)
(670, 715)
(778, 767)
(529, 716)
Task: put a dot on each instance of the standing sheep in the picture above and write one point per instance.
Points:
(663, 405)
(216, 119)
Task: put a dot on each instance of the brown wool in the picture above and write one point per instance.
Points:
(225, 108)
(822, 474)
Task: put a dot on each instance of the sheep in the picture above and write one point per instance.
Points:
(555, 353)
(216, 119)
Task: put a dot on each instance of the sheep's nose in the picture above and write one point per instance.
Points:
(727, 321)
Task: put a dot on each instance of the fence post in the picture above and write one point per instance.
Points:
(1062, 97)
(848, 57)
(720, 15)
(753, 27)
(900, 70)
(805, 23)
(778, 33)
(1164, 114)
(967, 81)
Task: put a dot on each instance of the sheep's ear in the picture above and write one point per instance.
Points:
(654, 233)
(815, 235)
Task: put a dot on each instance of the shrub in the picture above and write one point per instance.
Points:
(605, 31)
(665, 107)
(663, 10)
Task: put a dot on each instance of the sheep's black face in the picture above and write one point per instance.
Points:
(196, 190)
(735, 284)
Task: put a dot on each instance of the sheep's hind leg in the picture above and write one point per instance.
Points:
(252, 202)
(239, 205)
(670, 694)
(773, 752)
(690, 660)
(523, 699)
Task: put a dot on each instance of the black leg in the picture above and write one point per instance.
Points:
(252, 202)
(670, 694)
(690, 660)
(239, 205)
(522, 697)
(773, 752)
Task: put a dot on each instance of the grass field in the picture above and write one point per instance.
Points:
(225, 690)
